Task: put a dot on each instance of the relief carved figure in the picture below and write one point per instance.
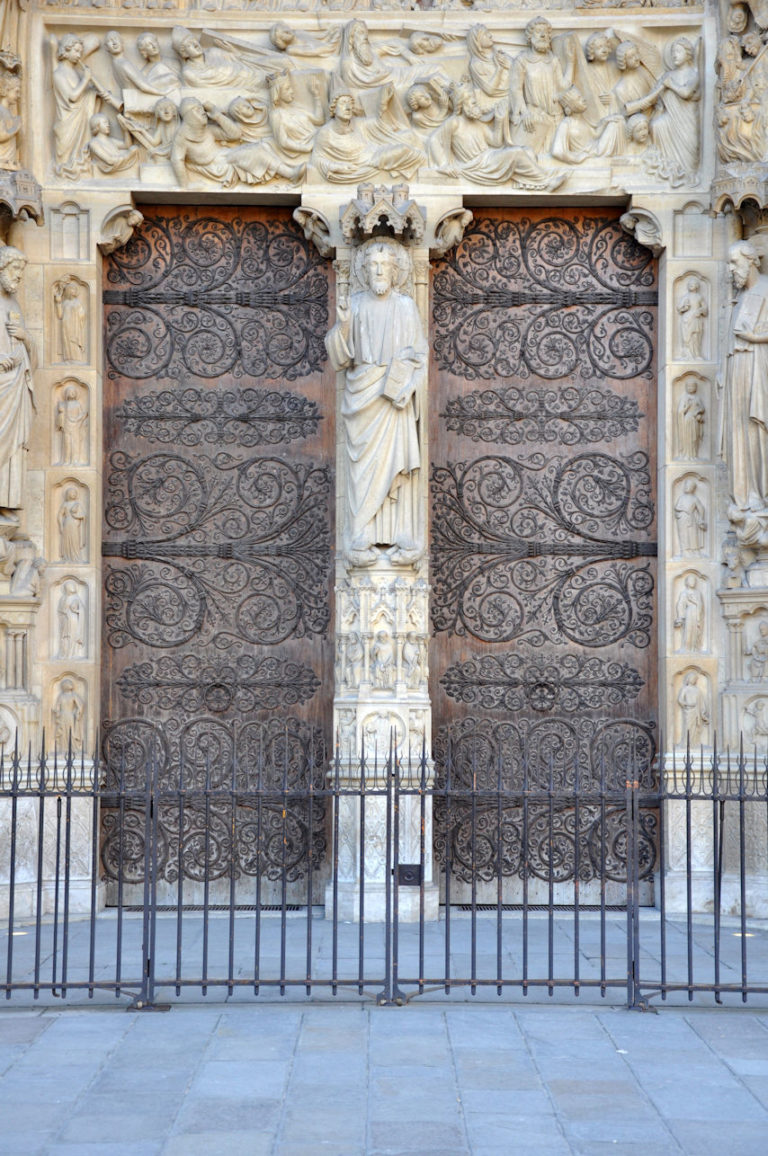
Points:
(77, 95)
(745, 386)
(689, 421)
(758, 654)
(109, 156)
(689, 614)
(69, 717)
(10, 121)
(71, 616)
(354, 655)
(693, 703)
(72, 427)
(197, 147)
(72, 520)
(379, 343)
(692, 311)
(691, 518)
(72, 319)
(537, 82)
(675, 119)
(383, 660)
(16, 386)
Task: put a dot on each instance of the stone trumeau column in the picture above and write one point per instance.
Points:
(379, 346)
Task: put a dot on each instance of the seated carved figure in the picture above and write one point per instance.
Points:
(108, 156)
(469, 144)
(343, 150)
(211, 67)
(196, 146)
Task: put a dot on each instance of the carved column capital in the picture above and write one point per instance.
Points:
(644, 226)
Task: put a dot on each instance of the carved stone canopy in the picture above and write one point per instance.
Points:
(382, 211)
(20, 196)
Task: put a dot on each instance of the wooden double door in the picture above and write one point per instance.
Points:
(218, 535)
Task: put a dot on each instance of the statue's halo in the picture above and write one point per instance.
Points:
(400, 253)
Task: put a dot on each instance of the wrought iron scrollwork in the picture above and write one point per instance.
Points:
(242, 683)
(203, 296)
(551, 760)
(515, 682)
(265, 770)
(241, 417)
(537, 549)
(554, 298)
(514, 416)
(237, 549)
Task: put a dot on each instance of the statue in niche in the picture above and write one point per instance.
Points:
(675, 119)
(76, 94)
(692, 310)
(72, 319)
(691, 518)
(690, 418)
(347, 733)
(412, 660)
(354, 655)
(72, 426)
(694, 709)
(72, 623)
(16, 387)
(196, 148)
(69, 718)
(108, 155)
(10, 121)
(689, 614)
(469, 144)
(72, 522)
(379, 342)
(758, 653)
(383, 660)
(745, 386)
(537, 80)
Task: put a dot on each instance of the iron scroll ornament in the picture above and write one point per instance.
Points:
(208, 297)
(582, 301)
(228, 551)
(263, 819)
(539, 549)
(481, 833)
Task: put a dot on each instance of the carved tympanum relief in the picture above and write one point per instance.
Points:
(525, 108)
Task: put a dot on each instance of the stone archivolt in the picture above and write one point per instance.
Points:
(529, 108)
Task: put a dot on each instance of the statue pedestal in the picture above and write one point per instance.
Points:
(362, 854)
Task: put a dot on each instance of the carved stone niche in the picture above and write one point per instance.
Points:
(692, 416)
(692, 297)
(70, 321)
(20, 198)
(693, 707)
(379, 210)
(71, 422)
(746, 618)
(70, 534)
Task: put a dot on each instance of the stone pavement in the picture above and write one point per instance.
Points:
(425, 1080)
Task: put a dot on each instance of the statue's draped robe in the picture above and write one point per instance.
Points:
(386, 349)
(745, 402)
(15, 409)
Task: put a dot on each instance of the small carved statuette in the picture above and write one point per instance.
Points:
(72, 319)
(383, 661)
(69, 718)
(28, 567)
(689, 614)
(72, 622)
(692, 310)
(72, 427)
(72, 522)
(758, 654)
(690, 418)
(691, 518)
(693, 703)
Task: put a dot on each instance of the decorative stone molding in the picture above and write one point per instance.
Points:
(382, 211)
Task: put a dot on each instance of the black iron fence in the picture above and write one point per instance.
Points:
(387, 878)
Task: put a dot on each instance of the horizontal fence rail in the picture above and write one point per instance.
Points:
(384, 878)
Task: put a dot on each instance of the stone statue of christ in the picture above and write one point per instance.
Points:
(379, 341)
